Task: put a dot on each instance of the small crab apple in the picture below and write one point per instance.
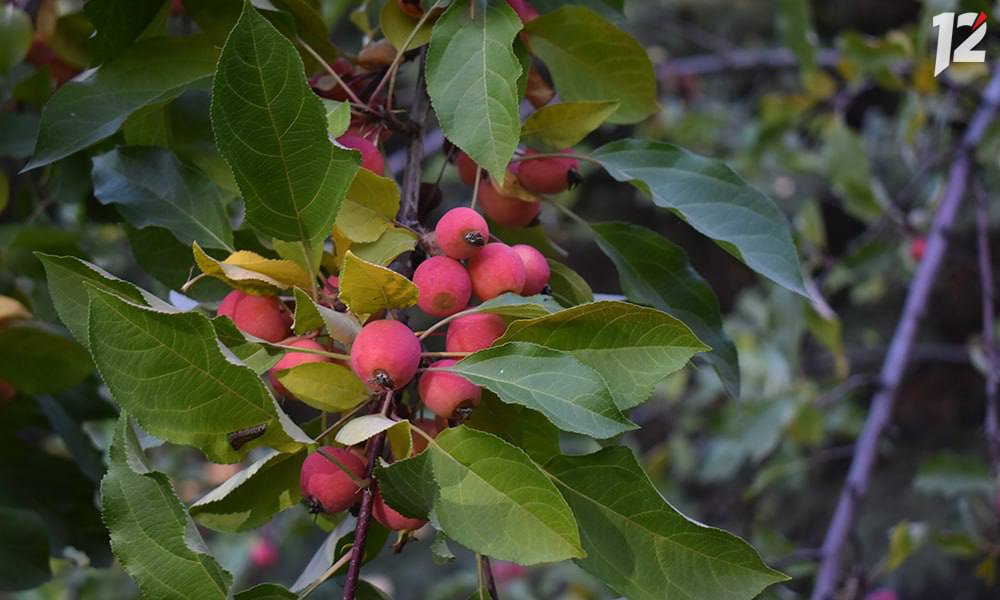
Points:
(263, 554)
(326, 487)
(260, 316)
(390, 519)
(294, 359)
(414, 8)
(467, 169)
(7, 393)
(918, 246)
(495, 270)
(507, 211)
(371, 158)
(524, 10)
(536, 269)
(461, 232)
(444, 286)
(474, 332)
(446, 394)
(385, 355)
(432, 427)
(548, 175)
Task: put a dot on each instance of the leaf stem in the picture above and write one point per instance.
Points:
(475, 188)
(333, 355)
(400, 52)
(326, 67)
(361, 483)
(569, 213)
(343, 419)
(328, 574)
(445, 354)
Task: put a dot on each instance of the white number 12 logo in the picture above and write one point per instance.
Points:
(945, 24)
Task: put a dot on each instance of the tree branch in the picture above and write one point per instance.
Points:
(491, 585)
(902, 343)
(409, 199)
(992, 425)
(365, 512)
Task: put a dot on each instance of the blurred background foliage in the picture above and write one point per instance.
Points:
(830, 107)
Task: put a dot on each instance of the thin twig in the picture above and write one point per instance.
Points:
(409, 199)
(487, 571)
(898, 357)
(328, 574)
(992, 425)
(364, 513)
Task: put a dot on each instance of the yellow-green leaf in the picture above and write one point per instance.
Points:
(252, 273)
(325, 386)
(366, 287)
(370, 208)
(397, 26)
(393, 242)
(563, 125)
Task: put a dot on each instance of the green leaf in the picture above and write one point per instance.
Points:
(92, 108)
(151, 186)
(393, 242)
(370, 208)
(325, 386)
(518, 307)
(15, 36)
(68, 279)
(118, 23)
(472, 75)
(36, 361)
(562, 125)
(572, 395)
(258, 357)
(397, 26)
(467, 478)
(367, 288)
(527, 429)
(342, 327)
(656, 272)
(253, 496)
(362, 428)
(632, 347)
(714, 200)
(24, 550)
(568, 287)
(641, 546)
(271, 129)
(151, 534)
(266, 591)
(338, 117)
(306, 255)
(169, 372)
(591, 59)
(953, 475)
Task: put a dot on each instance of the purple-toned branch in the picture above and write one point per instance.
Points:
(364, 519)
(992, 424)
(491, 584)
(902, 344)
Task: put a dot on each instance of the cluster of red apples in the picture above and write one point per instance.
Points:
(467, 264)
